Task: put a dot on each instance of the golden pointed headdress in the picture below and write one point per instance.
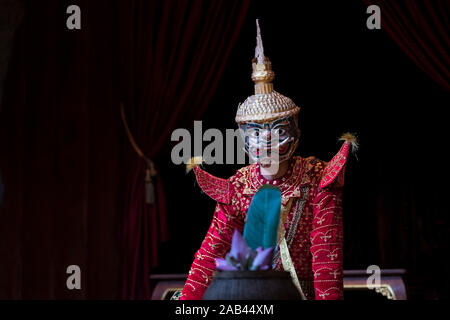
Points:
(266, 104)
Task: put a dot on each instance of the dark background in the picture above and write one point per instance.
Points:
(63, 146)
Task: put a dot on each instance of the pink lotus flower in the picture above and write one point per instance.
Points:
(242, 257)
(263, 259)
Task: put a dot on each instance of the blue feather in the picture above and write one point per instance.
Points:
(263, 217)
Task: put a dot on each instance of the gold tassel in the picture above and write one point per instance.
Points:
(350, 138)
(150, 171)
(149, 186)
(193, 162)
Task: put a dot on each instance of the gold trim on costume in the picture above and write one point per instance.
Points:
(289, 266)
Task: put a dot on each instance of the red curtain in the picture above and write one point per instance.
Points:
(60, 154)
(421, 30)
(173, 54)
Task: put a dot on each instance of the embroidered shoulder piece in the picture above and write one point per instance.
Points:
(335, 169)
(216, 188)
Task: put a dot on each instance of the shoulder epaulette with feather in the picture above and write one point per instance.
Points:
(335, 170)
(217, 188)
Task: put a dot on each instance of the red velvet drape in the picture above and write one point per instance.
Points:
(421, 30)
(173, 54)
(60, 154)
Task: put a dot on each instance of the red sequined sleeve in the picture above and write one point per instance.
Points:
(216, 244)
(327, 243)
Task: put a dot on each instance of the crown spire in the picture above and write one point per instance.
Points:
(266, 104)
(262, 74)
(259, 50)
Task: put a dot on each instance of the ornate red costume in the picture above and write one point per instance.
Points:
(313, 224)
(311, 193)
